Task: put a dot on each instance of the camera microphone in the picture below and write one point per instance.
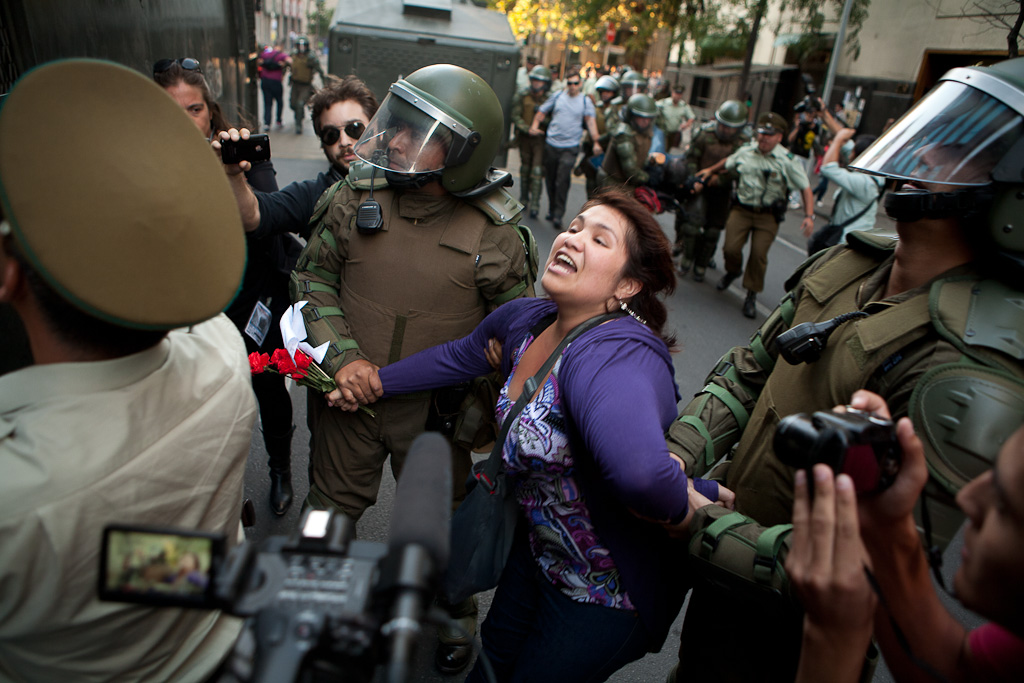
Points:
(418, 545)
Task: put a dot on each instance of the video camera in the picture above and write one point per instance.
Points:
(856, 443)
(320, 604)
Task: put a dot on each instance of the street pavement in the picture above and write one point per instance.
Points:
(706, 322)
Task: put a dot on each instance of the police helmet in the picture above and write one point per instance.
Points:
(731, 114)
(607, 83)
(962, 147)
(540, 73)
(639, 106)
(441, 122)
(302, 44)
(633, 83)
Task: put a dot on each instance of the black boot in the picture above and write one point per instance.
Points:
(750, 305)
(455, 646)
(726, 280)
(279, 450)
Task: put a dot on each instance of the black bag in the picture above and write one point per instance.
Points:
(828, 235)
(484, 524)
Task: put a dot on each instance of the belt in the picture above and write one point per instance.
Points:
(755, 209)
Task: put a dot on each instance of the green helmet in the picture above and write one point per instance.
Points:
(639, 105)
(732, 114)
(633, 81)
(540, 73)
(964, 143)
(441, 122)
(607, 83)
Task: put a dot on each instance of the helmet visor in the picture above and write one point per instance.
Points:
(401, 137)
(955, 135)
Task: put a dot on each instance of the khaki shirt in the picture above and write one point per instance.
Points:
(759, 189)
(671, 116)
(159, 437)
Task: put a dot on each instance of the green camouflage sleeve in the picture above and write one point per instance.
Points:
(517, 115)
(632, 168)
(503, 271)
(317, 277)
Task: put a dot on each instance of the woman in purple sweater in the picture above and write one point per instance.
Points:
(589, 585)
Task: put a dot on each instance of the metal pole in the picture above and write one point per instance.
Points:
(830, 78)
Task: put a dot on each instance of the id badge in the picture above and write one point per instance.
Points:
(259, 323)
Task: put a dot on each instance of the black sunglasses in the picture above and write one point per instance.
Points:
(572, 82)
(186, 63)
(331, 134)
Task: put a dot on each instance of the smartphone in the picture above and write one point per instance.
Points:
(159, 566)
(256, 148)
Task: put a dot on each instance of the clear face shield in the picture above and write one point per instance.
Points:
(955, 136)
(410, 135)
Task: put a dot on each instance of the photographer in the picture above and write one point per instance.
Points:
(859, 192)
(828, 563)
(912, 343)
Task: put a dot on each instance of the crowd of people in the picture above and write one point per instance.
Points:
(418, 280)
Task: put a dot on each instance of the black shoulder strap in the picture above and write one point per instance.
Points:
(490, 471)
(863, 211)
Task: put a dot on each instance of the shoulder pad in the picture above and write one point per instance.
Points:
(500, 206)
(801, 269)
(870, 243)
(360, 174)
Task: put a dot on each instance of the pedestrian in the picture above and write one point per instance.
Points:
(304, 65)
(272, 63)
(919, 321)
(570, 112)
(420, 264)
(765, 172)
(137, 407)
(704, 213)
(588, 586)
(531, 145)
(674, 117)
(263, 297)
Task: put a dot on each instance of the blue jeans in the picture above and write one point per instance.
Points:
(533, 633)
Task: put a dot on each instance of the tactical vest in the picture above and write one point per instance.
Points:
(412, 285)
(714, 149)
(951, 335)
(641, 147)
(302, 68)
(530, 104)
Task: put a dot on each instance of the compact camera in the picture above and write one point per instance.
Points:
(856, 443)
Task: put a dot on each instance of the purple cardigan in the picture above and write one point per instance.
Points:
(618, 387)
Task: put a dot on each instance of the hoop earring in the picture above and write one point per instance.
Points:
(631, 312)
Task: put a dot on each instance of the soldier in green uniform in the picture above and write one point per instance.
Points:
(630, 144)
(304, 65)
(605, 119)
(413, 248)
(674, 116)
(531, 147)
(631, 83)
(766, 173)
(928, 332)
(698, 227)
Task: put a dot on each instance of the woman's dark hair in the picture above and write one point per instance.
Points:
(648, 260)
(175, 74)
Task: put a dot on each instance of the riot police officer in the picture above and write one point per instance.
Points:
(531, 147)
(626, 159)
(933, 310)
(414, 247)
(698, 228)
(304, 66)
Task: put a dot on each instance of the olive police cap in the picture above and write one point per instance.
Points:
(115, 197)
(770, 123)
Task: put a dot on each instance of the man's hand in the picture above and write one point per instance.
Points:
(236, 135)
(597, 149)
(358, 384)
(826, 564)
(807, 226)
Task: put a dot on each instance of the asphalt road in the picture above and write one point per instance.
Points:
(706, 322)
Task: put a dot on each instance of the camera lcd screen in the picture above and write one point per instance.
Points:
(159, 566)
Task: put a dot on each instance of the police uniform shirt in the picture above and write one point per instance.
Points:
(782, 171)
(673, 115)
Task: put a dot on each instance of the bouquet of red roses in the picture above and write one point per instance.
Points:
(302, 369)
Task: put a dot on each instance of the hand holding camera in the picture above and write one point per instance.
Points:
(241, 148)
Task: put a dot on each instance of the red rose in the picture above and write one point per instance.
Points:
(282, 361)
(302, 361)
(258, 362)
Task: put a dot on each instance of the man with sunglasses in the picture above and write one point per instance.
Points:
(340, 112)
(570, 112)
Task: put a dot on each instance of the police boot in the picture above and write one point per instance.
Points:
(726, 281)
(455, 646)
(698, 273)
(684, 264)
(750, 304)
(279, 448)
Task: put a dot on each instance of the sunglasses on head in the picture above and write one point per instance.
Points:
(331, 134)
(186, 63)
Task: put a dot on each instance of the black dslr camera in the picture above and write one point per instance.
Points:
(856, 443)
(809, 102)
